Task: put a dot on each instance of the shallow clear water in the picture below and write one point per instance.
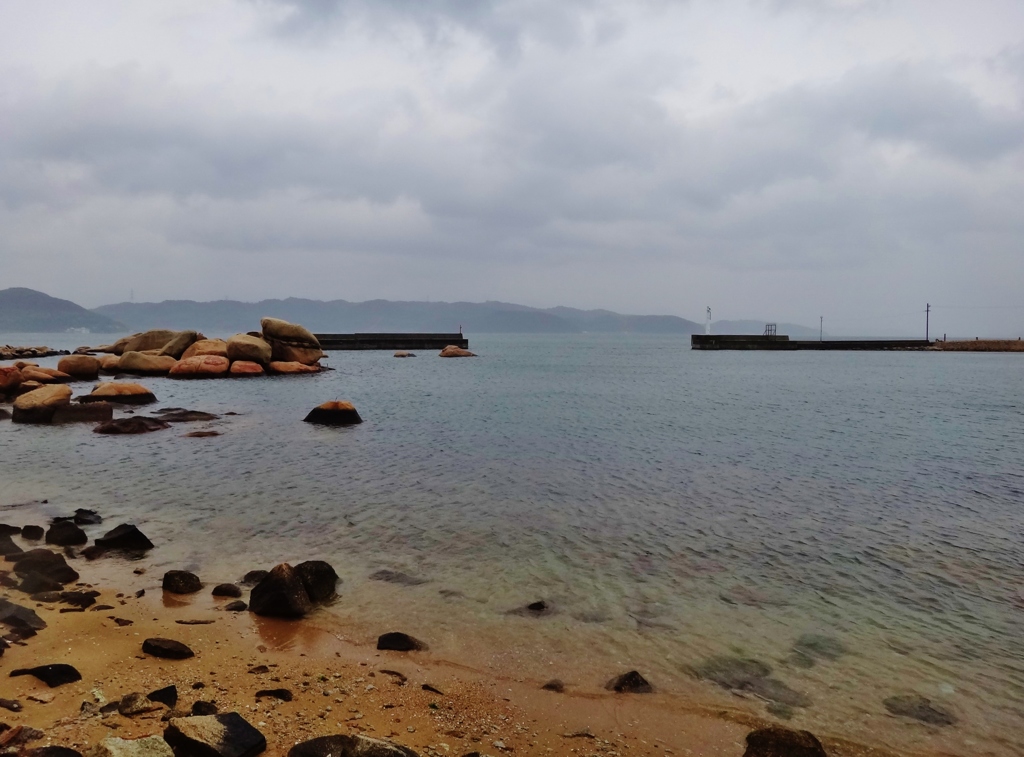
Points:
(670, 505)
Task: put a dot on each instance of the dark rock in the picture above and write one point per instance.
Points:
(8, 547)
(397, 641)
(236, 606)
(181, 582)
(226, 590)
(167, 695)
(253, 577)
(259, 669)
(65, 533)
(125, 537)
(630, 683)
(167, 648)
(194, 622)
(539, 609)
(6, 530)
(136, 703)
(319, 579)
(202, 434)
(85, 517)
(395, 577)
(45, 563)
(32, 533)
(743, 674)
(227, 735)
(175, 415)
(11, 704)
(81, 599)
(17, 616)
(96, 412)
(53, 675)
(349, 746)
(554, 685)
(335, 413)
(919, 708)
(35, 583)
(51, 751)
(280, 594)
(775, 741)
(198, 685)
(204, 708)
(138, 425)
(283, 694)
(432, 689)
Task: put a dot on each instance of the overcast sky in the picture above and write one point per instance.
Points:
(775, 159)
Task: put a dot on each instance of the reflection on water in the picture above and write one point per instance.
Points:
(673, 508)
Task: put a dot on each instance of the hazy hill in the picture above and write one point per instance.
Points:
(28, 311)
(342, 316)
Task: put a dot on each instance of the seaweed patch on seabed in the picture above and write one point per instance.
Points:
(812, 648)
(745, 675)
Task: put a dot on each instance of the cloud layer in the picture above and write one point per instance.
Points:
(771, 159)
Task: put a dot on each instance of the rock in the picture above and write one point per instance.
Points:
(554, 685)
(8, 547)
(292, 367)
(236, 606)
(147, 365)
(53, 675)
(742, 674)
(776, 741)
(216, 347)
(335, 413)
(32, 533)
(396, 641)
(538, 609)
(201, 434)
(203, 708)
(137, 703)
(39, 405)
(403, 353)
(121, 393)
(4, 414)
(452, 351)
(10, 379)
(51, 751)
(244, 368)
(43, 562)
(125, 537)
(248, 348)
(11, 704)
(318, 578)
(137, 425)
(227, 735)
(35, 583)
(185, 416)
(253, 577)
(629, 683)
(155, 339)
(19, 617)
(290, 342)
(179, 343)
(181, 582)
(79, 366)
(64, 533)
(280, 594)
(349, 746)
(201, 366)
(168, 695)
(29, 386)
(919, 708)
(6, 530)
(283, 694)
(94, 412)
(147, 746)
(110, 363)
(812, 647)
(167, 649)
(45, 375)
(395, 577)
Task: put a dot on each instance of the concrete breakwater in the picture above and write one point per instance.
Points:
(784, 343)
(393, 341)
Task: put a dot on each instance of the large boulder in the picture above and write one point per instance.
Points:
(250, 348)
(349, 745)
(179, 343)
(334, 413)
(110, 363)
(149, 365)
(44, 563)
(200, 366)
(243, 368)
(291, 342)
(224, 735)
(281, 594)
(64, 533)
(117, 348)
(44, 375)
(10, 379)
(206, 347)
(156, 339)
(292, 367)
(453, 351)
(776, 741)
(120, 392)
(147, 746)
(79, 366)
(319, 579)
(39, 405)
(126, 537)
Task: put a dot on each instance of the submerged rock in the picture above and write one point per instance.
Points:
(812, 647)
(176, 415)
(396, 577)
(396, 641)
(137, 425)
(403, 353)
(538, 609)
(168, 649)
(782, 742)
(335, 413)
(227, 735)
(753, 676)
(349, 746)
(181, 582)
(53, 675)
(630, 683)
(919, 708)
(452, 351)
(96, 412)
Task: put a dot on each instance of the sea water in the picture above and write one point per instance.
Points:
(669, 506)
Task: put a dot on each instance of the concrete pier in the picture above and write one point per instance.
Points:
(782, 342)
(330, 342)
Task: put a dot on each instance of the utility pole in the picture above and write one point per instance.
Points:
(927, 317)
(821, 328)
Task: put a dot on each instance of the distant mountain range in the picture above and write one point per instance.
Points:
(26, 310)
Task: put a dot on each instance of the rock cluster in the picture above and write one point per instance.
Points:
(7, 352)
(287, 592)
